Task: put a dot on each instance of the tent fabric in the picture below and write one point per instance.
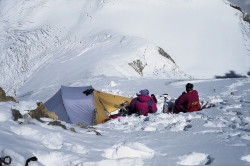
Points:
(79, 106)
(111, 102)
(100, 114)
(72, 106)
(55, 104)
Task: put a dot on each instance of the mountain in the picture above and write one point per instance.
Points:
(121, 47)
(122, 38)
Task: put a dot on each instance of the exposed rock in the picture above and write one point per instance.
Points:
(5, 98)
(16, 114)
(73, 129)
(138, 66)
(163, 53)
(245, 15)
(82, 125)
(57, 123)
(87, 127)
(42, 112)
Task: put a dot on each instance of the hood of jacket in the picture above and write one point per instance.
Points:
(143, 98)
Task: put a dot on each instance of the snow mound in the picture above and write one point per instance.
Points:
(112, 84)
(246, 158)
(129, 150)
(194, 159)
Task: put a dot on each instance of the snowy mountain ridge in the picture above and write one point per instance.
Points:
(121, 47)
(121, 38)
(24, 50)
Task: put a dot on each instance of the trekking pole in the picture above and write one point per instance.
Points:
(165, 105)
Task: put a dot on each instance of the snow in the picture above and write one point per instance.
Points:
(215, 136)
(194, 159)
(129, 150)
(205, 39)
(246, 158)
(45, 44)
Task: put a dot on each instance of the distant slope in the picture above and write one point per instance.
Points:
(53, 39)
(52, 47)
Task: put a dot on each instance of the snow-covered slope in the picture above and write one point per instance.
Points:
(215, 136)
(121, 47)
(42, 36)
(119, 38)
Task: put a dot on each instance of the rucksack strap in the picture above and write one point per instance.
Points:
(135, 101)
(150, 103)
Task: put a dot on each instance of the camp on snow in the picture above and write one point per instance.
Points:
(84, 105)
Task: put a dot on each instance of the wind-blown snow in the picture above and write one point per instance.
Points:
(113, 45)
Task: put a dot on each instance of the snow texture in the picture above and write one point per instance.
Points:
(113, 45)
(214, 136)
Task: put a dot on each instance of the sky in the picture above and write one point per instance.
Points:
(244, 4)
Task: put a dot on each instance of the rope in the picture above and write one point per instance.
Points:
(6, 160)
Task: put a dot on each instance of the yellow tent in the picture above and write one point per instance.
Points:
(105, 102)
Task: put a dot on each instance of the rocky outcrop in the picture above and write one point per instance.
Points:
(3, 96)
(163, 53)
(16, 114)
(57, 123)
(245, 15)
(138, 66)
(42, 112)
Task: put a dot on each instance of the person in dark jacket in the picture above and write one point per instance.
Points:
(188, 101)
(143, 103)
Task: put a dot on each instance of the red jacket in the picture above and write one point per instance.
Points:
(143, 105)
(188, 102)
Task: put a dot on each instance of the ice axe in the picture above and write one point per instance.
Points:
(165, 105)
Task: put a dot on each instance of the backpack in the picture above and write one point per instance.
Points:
(149, 102)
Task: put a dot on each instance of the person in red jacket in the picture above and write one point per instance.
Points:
(143, 103)
(188, 101)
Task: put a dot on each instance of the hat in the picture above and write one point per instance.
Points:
(144, 92)
(189, 87)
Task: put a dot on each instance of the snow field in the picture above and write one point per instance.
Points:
(194, 159)
(93, 45)
(200, 138)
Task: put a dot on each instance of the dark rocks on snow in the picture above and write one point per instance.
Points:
(163, 53)
(42, 112)
(16, 114)
(138, 66)
(4, 98)
(57, 123)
